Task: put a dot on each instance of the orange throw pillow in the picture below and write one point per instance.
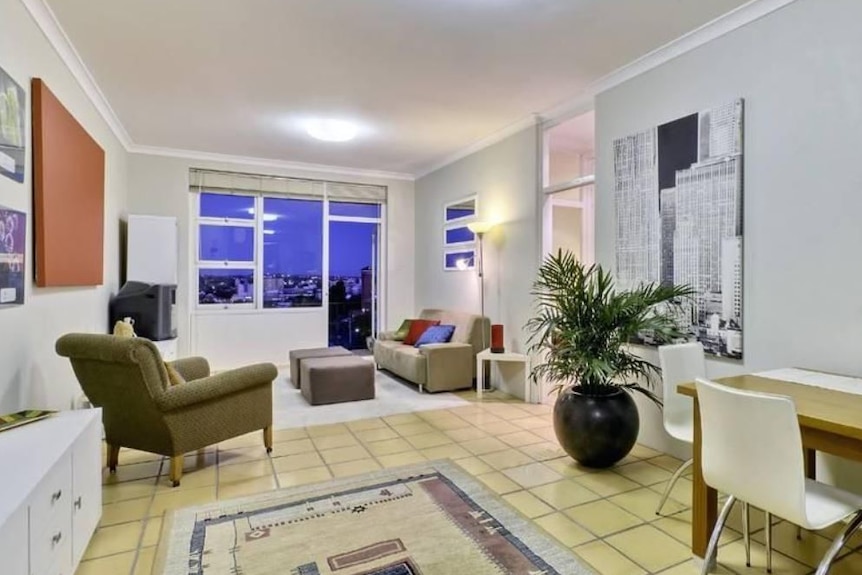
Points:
(417, 328)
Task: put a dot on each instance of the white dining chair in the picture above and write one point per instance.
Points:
(680, 363)
(751, 449)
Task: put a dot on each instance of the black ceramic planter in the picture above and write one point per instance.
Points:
(597, 431)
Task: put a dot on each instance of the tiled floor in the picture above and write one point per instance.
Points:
(606, 517)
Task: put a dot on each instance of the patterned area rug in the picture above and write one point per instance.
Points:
(427, 519)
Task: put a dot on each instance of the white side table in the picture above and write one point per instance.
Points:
(486, 355)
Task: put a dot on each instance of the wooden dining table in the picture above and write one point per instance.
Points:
(830, 421)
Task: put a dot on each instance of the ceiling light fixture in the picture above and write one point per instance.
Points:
(331, 130)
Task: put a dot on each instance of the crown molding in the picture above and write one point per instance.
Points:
(267, 163)
(497, 136)
(50, 26)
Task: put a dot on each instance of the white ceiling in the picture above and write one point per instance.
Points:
(425, 78)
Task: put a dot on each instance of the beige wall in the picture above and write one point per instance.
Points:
(32, 375)
(159, 185)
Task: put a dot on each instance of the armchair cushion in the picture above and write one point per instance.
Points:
(191, 368)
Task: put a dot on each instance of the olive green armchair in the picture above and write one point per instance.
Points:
(141, 410)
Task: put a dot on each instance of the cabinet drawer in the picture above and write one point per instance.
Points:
(53, 496)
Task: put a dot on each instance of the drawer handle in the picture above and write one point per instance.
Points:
(78, 502)
(56, 539)
(55, 497)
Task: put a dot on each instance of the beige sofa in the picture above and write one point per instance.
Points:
(438, 366)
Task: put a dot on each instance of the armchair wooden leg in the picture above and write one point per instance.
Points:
(176, 472)
(267, 438)
(113, 457)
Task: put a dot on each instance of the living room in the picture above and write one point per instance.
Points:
(466, 115)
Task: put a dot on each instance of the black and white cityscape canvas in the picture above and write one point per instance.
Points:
(678, 192)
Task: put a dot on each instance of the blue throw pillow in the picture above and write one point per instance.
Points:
(436, 334)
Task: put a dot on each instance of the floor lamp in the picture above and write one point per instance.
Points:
(480, 229)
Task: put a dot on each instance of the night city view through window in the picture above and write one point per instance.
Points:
(292, 266)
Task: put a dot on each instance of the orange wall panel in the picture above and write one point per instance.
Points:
(68, 196)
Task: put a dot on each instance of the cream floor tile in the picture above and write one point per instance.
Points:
(152, 532)
(643, 472)
(132, 472)
(250, 470)
(606, 483)
(416, 428)
(324, 430)
(483, 445)
(607, 560)
(681, 491)
(281, 435)
(602, 517)
(112, 565)
(426, 440)
(520, 438)
(678, 526)
(123, 511)
(332, 441)
(847, 565)
(689, 568)
(242, 487)
(342, 454)
(649, 547)
(449, 423)
(130, 456)
(528, 504)
(534, 422)
(498, 482)
(366, 424)
(145, 561)
(380, 434)
(303, 476)
(508, 412)
(543, 451)
(451, 451)
(389, 446)
(732, 557)
(190, 480)
(114, 539)
(399, 459)
(644, 452)
(292, 447)
(402, 418)
(170, 500)
(546, 433)
(474, 465)
(242, 455)
(297, 462)
(532, 475)
(564, 529)
(567, 467)
(499, 428)
(670, 463)
(354, 467)
(564, 494)
(643, 503)
(481, 420)
(252, 439)
(809, 550)
(506, 459)
(115, 492)
(466, 434)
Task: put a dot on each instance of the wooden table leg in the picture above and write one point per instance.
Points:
(704, 499)
(810, 463)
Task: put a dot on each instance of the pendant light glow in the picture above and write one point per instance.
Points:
(331, 130)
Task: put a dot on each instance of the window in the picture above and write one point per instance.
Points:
(245, 237)
(354, 210)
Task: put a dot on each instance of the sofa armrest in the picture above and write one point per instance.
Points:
(386, 335)
(449, 365)
(215, 387)
(191, 368)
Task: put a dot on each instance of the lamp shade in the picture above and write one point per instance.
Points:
(480, 227)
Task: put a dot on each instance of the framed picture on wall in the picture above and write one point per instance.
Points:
(13, 234)
(13, 136)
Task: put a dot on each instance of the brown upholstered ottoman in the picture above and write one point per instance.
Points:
(297, 355)
(336, 379)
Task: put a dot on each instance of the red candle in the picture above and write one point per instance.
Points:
(497, 338)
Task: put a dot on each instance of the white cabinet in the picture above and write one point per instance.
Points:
(50, 493)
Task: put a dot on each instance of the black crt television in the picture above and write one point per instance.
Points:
(152, 308)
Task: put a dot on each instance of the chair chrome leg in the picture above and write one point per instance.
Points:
(746, 533)
(799, 533)
(768, 528)
(839, 542)
(712, 548)
(677, 474)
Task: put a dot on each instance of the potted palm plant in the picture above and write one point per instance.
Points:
(581, 332)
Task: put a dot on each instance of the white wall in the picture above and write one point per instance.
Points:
(504, 177)
(566, 229)
(798, 70)
(159, 185)
(31, 374)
